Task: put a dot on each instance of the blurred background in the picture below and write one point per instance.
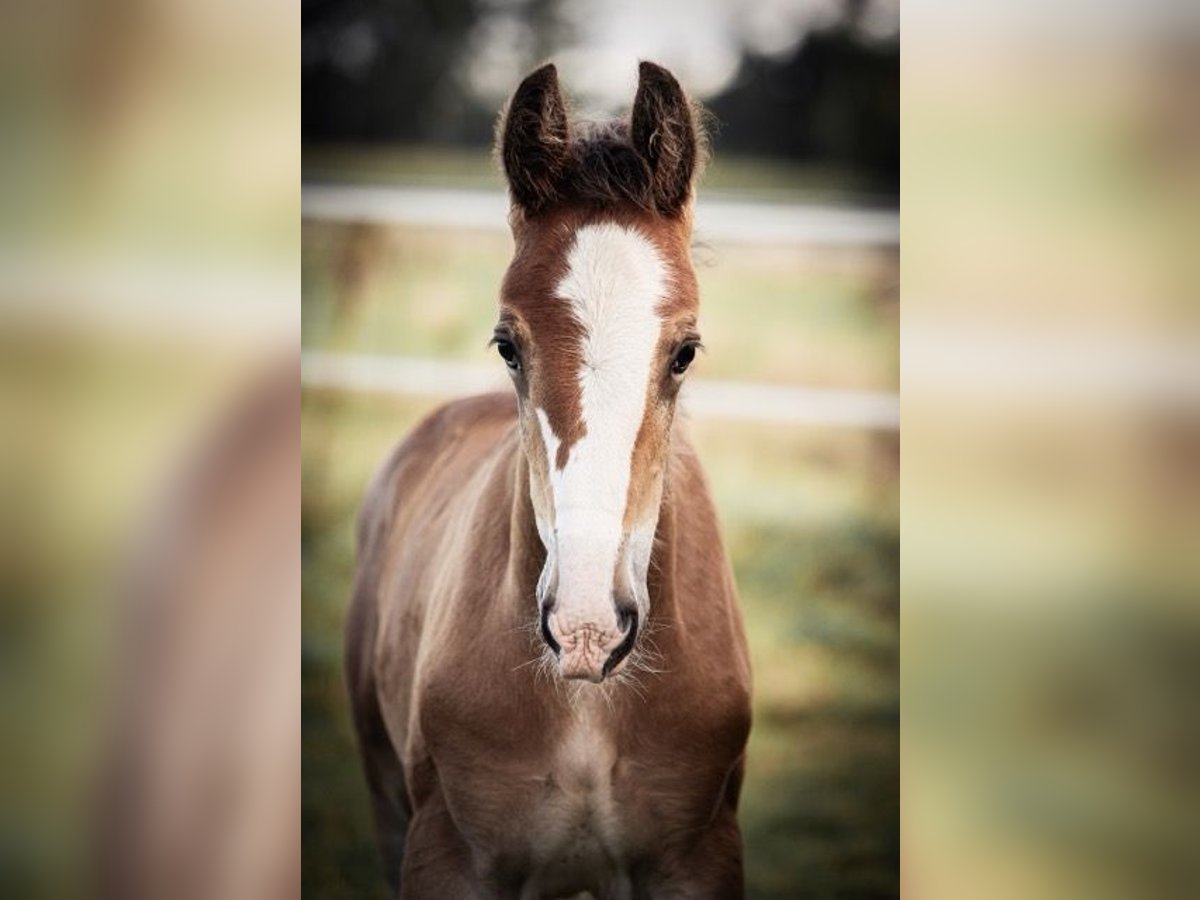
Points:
(1051, 468)
(149, 324)
(794, 407)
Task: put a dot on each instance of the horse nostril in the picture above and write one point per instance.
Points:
(546, 635)
(625, 616)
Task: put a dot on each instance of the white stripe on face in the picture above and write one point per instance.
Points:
(614, 283)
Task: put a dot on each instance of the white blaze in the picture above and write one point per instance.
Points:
(614, 283)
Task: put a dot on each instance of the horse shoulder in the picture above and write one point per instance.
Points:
(405, 516)
(703, 566)
(718, 656)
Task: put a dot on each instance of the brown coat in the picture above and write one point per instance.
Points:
(491, 777)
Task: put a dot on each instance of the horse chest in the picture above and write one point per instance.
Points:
(579, 838)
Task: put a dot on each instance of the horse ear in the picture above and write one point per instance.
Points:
(533, 140)
(665, 134)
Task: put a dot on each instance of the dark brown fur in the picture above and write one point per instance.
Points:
(649, 162)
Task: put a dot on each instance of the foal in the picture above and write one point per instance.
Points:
(545, 652)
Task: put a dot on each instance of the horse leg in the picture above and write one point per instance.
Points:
(389, 799)
(710, 869)
(385, 774)
(437, 861)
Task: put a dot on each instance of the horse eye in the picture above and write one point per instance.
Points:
(683, 359)
(508, 353)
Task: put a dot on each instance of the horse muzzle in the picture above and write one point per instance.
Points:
(587, 650)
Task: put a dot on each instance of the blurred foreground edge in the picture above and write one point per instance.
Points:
(199, 788)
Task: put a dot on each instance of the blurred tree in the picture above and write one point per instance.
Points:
(433, 72)
(834, 99)
(384, 70)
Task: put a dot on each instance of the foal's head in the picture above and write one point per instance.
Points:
(598, 327)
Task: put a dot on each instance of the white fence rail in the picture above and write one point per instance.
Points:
(729, 221)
